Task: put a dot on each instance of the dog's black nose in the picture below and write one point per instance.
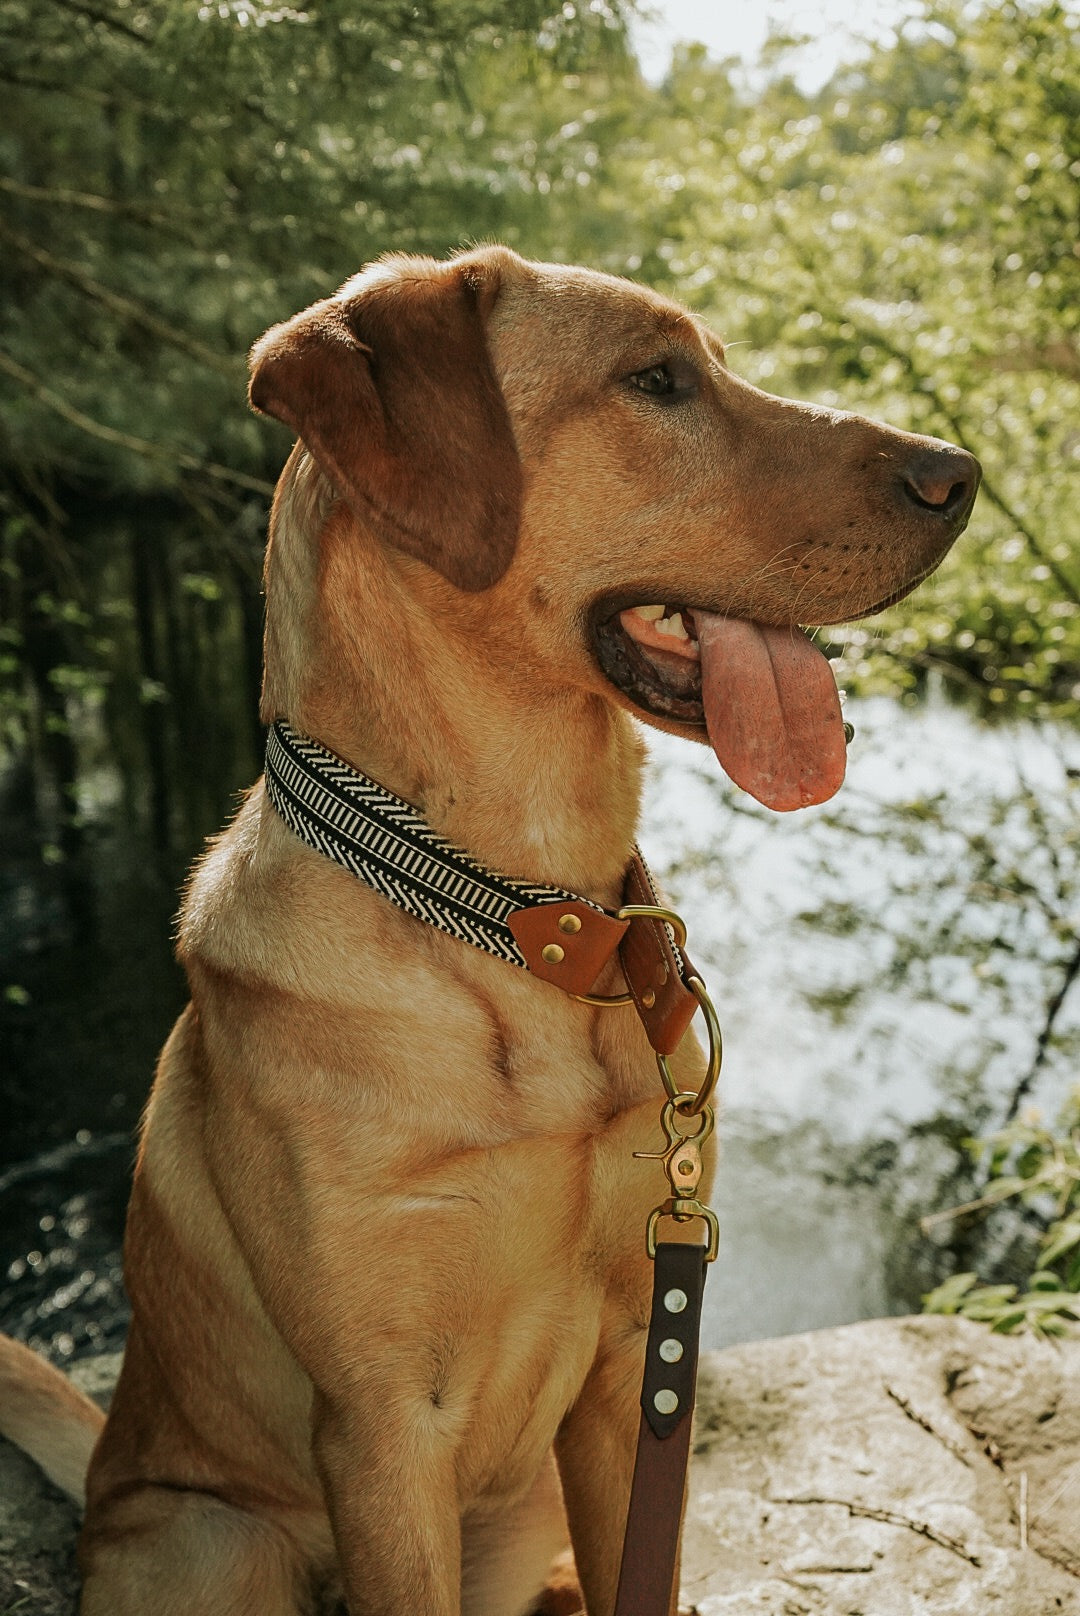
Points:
(942, 480)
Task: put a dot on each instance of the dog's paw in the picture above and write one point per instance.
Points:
(562, 1595)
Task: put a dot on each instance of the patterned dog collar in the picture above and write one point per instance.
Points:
(392, 848)
(557, 935)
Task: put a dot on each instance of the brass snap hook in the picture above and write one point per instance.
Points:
(684, 1166)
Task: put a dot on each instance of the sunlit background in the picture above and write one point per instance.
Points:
(833, 32)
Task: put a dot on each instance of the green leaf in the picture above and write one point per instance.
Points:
(947, 1297)
(1061, 1237)
(1007, 1323)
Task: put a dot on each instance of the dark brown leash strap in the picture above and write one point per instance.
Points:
(654, 1519)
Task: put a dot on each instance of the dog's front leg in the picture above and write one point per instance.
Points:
(392, 1495)
(595, 1448)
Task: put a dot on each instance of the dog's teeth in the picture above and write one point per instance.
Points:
(651, 614)
(672, 625)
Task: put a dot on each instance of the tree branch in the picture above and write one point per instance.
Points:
(1046, 1032)
(1061, 357)
(957, 428)
(94, 204)
(125, 307)
(77, 92)
(124, 440)
(93, 14)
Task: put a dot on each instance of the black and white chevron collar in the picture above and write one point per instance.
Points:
(389, 846)
(555, 935)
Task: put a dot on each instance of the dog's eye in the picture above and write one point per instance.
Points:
(670, 381)
(656, 379)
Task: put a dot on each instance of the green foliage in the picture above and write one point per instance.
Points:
(179, 175)
(174, 177)
(905, 242)
(1037, 1167)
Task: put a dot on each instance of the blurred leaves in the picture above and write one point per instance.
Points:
(174, 177)
(975, 907)
(1038, 1166)
(906, 242)
(177, 176)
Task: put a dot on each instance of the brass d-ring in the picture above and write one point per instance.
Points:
(653, 911)
(716, 1055)
(605, 1001)
(637, 911)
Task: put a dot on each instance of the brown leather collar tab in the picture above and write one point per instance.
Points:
(567, 944)
(656, 970)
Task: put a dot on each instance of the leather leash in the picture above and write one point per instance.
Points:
(566, 940)
(654, 1520)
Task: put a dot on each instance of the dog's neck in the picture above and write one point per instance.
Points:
(431, 692)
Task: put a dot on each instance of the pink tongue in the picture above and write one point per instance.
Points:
(772, 711)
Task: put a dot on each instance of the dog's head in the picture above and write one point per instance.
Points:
(570, 461)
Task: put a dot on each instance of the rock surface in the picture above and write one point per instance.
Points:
(894, 1468)
(887, 1469)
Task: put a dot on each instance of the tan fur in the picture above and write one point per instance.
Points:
(42, 1411)
(385, 1251)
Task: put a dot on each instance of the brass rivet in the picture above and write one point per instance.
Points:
(569, 923)
(552, 953)
(686, 1167)
(666, 1401)
(671, 1350)
(648, 998)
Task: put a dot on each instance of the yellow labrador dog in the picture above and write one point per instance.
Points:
(385, 1249)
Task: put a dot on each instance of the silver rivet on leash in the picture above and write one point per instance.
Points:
(849, 733)
(670, 1350)
(665, 1402)
(675, 1301)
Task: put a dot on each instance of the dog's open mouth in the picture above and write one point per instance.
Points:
(765, 694)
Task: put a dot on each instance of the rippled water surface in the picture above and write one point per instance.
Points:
(841, 1105)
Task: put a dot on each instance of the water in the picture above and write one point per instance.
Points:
(849, 1073)
(852, 1065)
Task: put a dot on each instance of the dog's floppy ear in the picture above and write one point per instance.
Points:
(391, 387)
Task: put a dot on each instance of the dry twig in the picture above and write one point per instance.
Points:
(891, 1517)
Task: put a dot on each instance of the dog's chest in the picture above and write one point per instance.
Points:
(534, 1252)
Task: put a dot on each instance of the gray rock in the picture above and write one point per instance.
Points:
(895, 1468)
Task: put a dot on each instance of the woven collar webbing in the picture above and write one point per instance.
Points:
(389, 846)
